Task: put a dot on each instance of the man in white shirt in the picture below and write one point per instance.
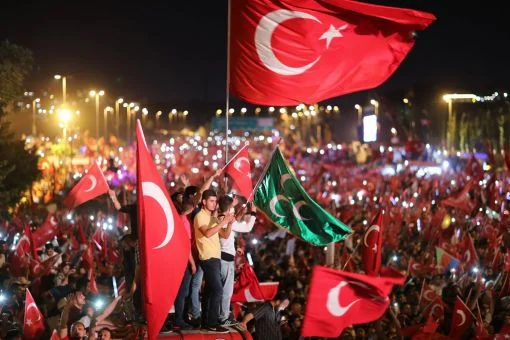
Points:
(228, 251)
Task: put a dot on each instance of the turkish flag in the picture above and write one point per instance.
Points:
(239, 169)
(372, 244)
(337, 299)
(461, 201)
(164, 243)
(470, 256)
(90, 186)
(288, 52)
(33, 323)
(46, 231)
(462, 319)
(92, 285)
(249, 289)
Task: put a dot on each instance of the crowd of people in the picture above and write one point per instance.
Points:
(85, 280)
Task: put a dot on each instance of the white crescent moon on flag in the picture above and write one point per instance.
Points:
(150, 189)
(295, 210)
(53, 221)
(32, 305)
(333, 303)
(372, 228)
(263, 36)
(467, 256)
(462, 316)
(239, 162)
(425, 295)
(93, 182)
(272, 204)
(248, 296)
(283, 179)
(416, 266)
(434, 308)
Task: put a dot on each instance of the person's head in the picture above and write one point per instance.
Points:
(209, 200)
(105, 334)
(78, 330)
(177, 201)
(128, 242)
(280, 300)
(80, 299)
(66, 267)
(225, 203)
(50, 251)
(190, 194)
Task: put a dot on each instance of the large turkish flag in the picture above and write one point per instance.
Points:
(337, 299)
(164, 243)
(90, 186)
(372, 246)
(288, 52)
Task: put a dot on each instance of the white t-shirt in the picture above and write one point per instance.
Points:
(228, 244)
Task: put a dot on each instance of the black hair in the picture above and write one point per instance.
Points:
(224, 203)
(208, 193)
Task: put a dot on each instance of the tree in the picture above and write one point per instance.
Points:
(18, 166)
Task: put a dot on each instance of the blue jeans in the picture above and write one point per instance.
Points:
(227, 280)
(181, 296)
(213, 290)
(196, 283)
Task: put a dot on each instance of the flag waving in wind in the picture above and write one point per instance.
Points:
(239, 169)
(281, 197)
(90, 186)
(164, 243)
(288, 52)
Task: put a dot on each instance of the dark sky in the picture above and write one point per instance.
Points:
(175, 51)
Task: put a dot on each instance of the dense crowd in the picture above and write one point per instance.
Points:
(85, 280)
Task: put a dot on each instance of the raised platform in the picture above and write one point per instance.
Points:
(235, 333)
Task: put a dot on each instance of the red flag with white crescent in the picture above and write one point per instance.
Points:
(164, 243)
(372, 244)
(462, 319)
(46, 231)
(289, 52)
(90, 186)
(337, 299)
(239, 169)
(33, 322)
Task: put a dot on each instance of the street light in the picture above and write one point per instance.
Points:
(360, 111)
(105, 117)
(64, 116)
(128, 116)
(64, 86)
(34, 127)
(449, 99)
(405, 100)
(375, 103)
(97, 94)
(117, 115)
(158, 114)
(145, 113)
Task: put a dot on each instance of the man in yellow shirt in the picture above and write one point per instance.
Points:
(206, 227)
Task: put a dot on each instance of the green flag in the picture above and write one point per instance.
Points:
(281, 197)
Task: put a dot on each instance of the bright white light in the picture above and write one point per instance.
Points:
(370, 128)
(475, 270)
(99, 304)
(254, 241)
(394, 258)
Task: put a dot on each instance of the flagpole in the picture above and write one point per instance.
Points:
(234, 157)
(350, 256)
(263, 174)
(227, 83)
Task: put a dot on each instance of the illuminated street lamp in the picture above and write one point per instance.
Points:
(158, 114)
(64, 86)
(360, 111)
(97, 94)
(105, 117)
(34, 127)
(375, 103)
(128, 116)
(117, 115)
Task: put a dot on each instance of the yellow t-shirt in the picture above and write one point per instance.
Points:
(208, 247)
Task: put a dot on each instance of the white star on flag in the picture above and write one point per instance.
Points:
(332, 33)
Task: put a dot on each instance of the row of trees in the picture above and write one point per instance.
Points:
(18, 166)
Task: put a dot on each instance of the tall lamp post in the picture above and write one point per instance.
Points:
(34, 126)
(64, 86)
(97, 94)
(105, 118)
(128, 119)
(117, 115)
(375, 103)
(360, 112)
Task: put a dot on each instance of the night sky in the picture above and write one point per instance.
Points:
(175, 51)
